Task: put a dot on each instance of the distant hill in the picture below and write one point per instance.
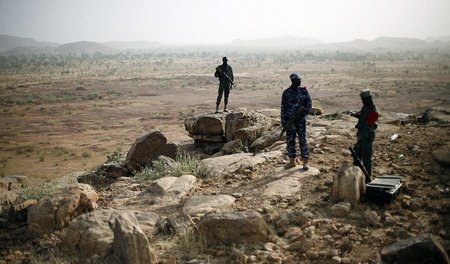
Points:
(132, 45)
(381, 44)
(8, 42)
(439, 39)
(28, 50)
(86, 47)
(276, 42)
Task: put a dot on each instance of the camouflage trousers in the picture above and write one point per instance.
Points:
(291, 135)
(223, 90)
(364, 150)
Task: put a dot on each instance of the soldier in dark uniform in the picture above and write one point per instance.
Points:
(225, 85)
(367, 124)
(295, 106)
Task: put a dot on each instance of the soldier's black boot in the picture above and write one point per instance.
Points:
(217, 109)
(225, 108)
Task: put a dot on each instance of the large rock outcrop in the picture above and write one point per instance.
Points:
(218, 128)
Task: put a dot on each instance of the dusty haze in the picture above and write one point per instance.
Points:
(221, 22)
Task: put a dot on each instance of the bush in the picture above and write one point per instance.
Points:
(38, 192)
(184, 164)
(115, 157)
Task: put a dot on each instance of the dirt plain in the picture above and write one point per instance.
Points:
(56, 122)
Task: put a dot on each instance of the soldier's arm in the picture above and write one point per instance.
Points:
(283, 112)
(308, 103)
(217, 73)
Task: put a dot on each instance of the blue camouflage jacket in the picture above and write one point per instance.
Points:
(291, 101)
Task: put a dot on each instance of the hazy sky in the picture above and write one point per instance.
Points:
(220, 22)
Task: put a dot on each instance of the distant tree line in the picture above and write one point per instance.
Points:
(255, 58)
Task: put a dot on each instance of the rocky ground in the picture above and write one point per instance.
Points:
(258, 211)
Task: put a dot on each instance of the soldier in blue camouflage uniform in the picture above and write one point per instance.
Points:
(295, 106)
(224, 83)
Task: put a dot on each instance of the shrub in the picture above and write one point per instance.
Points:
(38, 192)
(184, 164)
(115, 157)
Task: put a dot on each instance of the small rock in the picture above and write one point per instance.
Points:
(269, 246)
(341, 209)
(336, 259)
(345, 260)
(311, 255)
(237, 195)
(372, 218)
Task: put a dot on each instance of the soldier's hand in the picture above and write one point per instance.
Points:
(302, 109)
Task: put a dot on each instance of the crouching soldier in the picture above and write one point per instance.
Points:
(367, 124)
(295, 106)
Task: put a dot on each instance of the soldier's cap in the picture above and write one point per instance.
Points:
(365, 93)
(295, 76)
(224, 59)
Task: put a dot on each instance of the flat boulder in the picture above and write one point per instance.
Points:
(165, 191)
(54, 212)
(234, 227)
(424, 248)
(442, 154)
(231, 163)
(148, 148)
(437, 115)
(211, 203)
(205, 124)
(266, 140)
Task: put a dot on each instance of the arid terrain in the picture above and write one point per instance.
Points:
(69, 114)
(55, 122)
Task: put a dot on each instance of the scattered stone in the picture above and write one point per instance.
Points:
(341, 209)
(311, 255)
(336, 259)
(372, 218)
(345, 260)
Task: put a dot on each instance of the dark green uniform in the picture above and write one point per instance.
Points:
(224, 83)
(367, 124)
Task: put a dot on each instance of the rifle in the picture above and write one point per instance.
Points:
(291, 121)
(226, 76)
(351, 113)
(360, 165)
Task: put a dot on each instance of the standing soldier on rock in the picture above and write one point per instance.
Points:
(226, 79)
(367, 124)
(295, 106)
